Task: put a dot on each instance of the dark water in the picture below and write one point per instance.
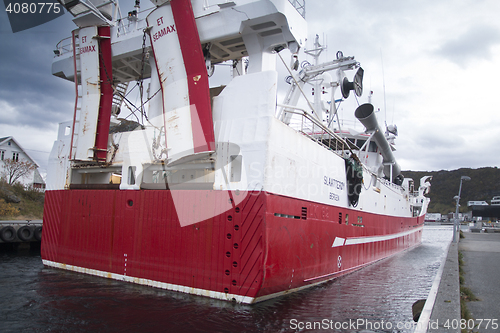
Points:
(38, 299)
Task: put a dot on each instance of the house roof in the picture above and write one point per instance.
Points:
(7, 138)
(37, 178)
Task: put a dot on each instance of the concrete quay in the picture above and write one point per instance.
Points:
(20, 231)
(481, 258)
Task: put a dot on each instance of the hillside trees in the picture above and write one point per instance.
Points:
(15, 170)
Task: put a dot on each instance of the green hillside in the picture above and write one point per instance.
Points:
(484, 184)
(19, 203)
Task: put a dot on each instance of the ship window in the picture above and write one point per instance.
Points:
(67, 131)
(416, 211)
(131, 175)
(372, 147)
(346, 219)
(340, 218)
(360, 143)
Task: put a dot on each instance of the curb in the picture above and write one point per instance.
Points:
(443, 303)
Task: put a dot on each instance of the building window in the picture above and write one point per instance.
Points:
(15, 157)
(2, 155)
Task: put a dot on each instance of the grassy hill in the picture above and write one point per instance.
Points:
(484, 184)
(18, 203)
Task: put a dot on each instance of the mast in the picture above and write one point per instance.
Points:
(317, 84)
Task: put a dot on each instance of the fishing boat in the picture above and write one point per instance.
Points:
(221, 190)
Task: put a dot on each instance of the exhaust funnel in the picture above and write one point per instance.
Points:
(366, 115)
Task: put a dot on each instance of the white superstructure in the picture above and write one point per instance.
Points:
(288, 147)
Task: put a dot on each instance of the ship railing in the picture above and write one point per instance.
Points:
(64, 46)
(130, 24)
(308, 125)
(124, 26)
(300, 6)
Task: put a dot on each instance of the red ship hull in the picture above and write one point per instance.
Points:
(264, 246)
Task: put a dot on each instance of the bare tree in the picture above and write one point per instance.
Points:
(15, 170)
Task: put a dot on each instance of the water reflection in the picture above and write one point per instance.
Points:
(33, 298)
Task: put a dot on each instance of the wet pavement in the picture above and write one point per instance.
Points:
(481, 256)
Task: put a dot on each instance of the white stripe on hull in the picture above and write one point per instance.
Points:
(371, 239)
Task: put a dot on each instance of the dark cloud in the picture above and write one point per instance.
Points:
(35, 97)
(476, 43)
(31, 18)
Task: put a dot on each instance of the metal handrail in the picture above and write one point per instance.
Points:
(316, 131)
(124, 26)
(65, 46)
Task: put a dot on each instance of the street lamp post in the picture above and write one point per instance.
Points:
(456, 225)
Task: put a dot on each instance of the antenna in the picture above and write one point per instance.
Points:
(393, 110)
(383, 83)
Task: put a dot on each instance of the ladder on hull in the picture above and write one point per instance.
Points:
(119, 92)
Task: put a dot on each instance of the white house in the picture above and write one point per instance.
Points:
(11, 149)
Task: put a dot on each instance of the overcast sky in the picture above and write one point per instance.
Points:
(438, 60)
